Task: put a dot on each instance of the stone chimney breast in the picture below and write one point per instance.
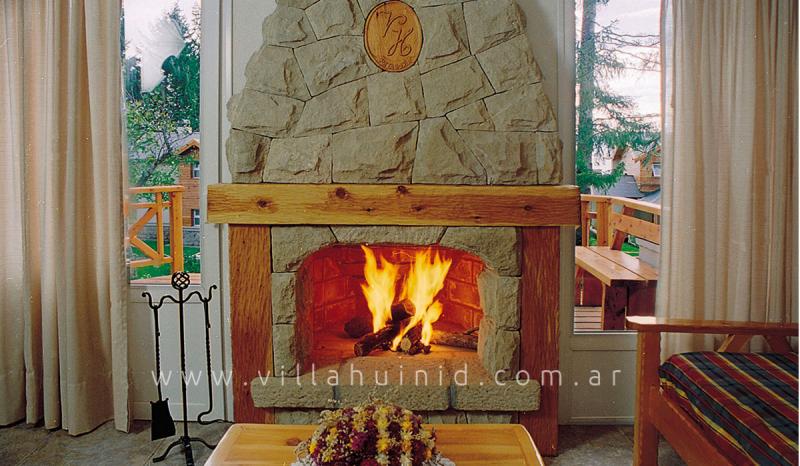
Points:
(317, 109)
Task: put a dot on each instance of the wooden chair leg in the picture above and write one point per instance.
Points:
(615, 298)
(645, 435)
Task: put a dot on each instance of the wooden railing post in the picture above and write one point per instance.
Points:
(603, 207)
(176, 230)
(155, 209)
(586, 223)
(159, 200)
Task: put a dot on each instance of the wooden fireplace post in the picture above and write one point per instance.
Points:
(251, 316)
(539, 331)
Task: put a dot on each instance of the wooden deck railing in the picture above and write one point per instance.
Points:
(155, 208)
(615, 215)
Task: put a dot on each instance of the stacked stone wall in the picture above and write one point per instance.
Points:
(316, 109)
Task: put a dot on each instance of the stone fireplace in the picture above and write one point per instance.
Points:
(317, 273)
(457, 154)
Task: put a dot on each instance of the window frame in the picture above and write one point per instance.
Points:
(657, 169)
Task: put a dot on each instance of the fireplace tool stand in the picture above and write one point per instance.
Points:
(180, 282)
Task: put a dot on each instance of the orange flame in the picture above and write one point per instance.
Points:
(379, 289)
(432, 315)
(424, 281)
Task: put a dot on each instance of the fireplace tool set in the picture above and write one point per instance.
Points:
(162, 424)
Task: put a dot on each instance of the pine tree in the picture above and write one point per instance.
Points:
(607, 123)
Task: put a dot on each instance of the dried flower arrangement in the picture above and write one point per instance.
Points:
(375, 434)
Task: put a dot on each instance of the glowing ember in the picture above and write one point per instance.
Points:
(379, 289)
(424, 281)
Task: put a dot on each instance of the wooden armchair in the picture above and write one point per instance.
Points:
(655, 412)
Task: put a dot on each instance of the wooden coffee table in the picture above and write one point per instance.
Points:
(465, 444)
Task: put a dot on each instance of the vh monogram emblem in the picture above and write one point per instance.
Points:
(393, 36)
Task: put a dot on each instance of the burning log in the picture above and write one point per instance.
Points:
(382, 339)
(361, 325)
(412, 342)
(458, 340)
(402, 310)
(411, 338)
(419, 347)
(358, 326)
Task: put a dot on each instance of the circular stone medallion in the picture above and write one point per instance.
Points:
(393, 36)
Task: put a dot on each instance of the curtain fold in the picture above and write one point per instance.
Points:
(63, 330)
(729, 235)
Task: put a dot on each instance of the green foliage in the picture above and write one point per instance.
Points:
(191, 262)
(181, 83)
(181, 87)
(153, 135)
(607, 123)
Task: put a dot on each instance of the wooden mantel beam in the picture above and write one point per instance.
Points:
(387, 204)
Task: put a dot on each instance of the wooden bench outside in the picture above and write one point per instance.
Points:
(628, 284)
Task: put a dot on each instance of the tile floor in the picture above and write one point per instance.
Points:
(603, 445)
(25, 445)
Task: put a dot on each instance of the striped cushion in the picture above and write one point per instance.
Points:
(746, 402)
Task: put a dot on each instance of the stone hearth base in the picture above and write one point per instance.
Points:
(420, 383)
(451, 416)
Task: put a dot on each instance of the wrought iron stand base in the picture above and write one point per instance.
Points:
(186, 442)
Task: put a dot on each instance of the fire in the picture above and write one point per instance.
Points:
(379, 289)
(424, 281)
(432, 315)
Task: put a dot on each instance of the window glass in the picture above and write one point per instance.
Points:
(657, 170)
(160, 47)
(617, 151)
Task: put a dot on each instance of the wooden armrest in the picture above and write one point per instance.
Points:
(721, 327)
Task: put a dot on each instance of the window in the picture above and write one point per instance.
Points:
(161, 70)
(617, 151)
(657, 170)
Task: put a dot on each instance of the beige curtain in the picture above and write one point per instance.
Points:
(729, 238)
(63, 342)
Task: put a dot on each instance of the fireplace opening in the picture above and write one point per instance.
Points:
(386, 300)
